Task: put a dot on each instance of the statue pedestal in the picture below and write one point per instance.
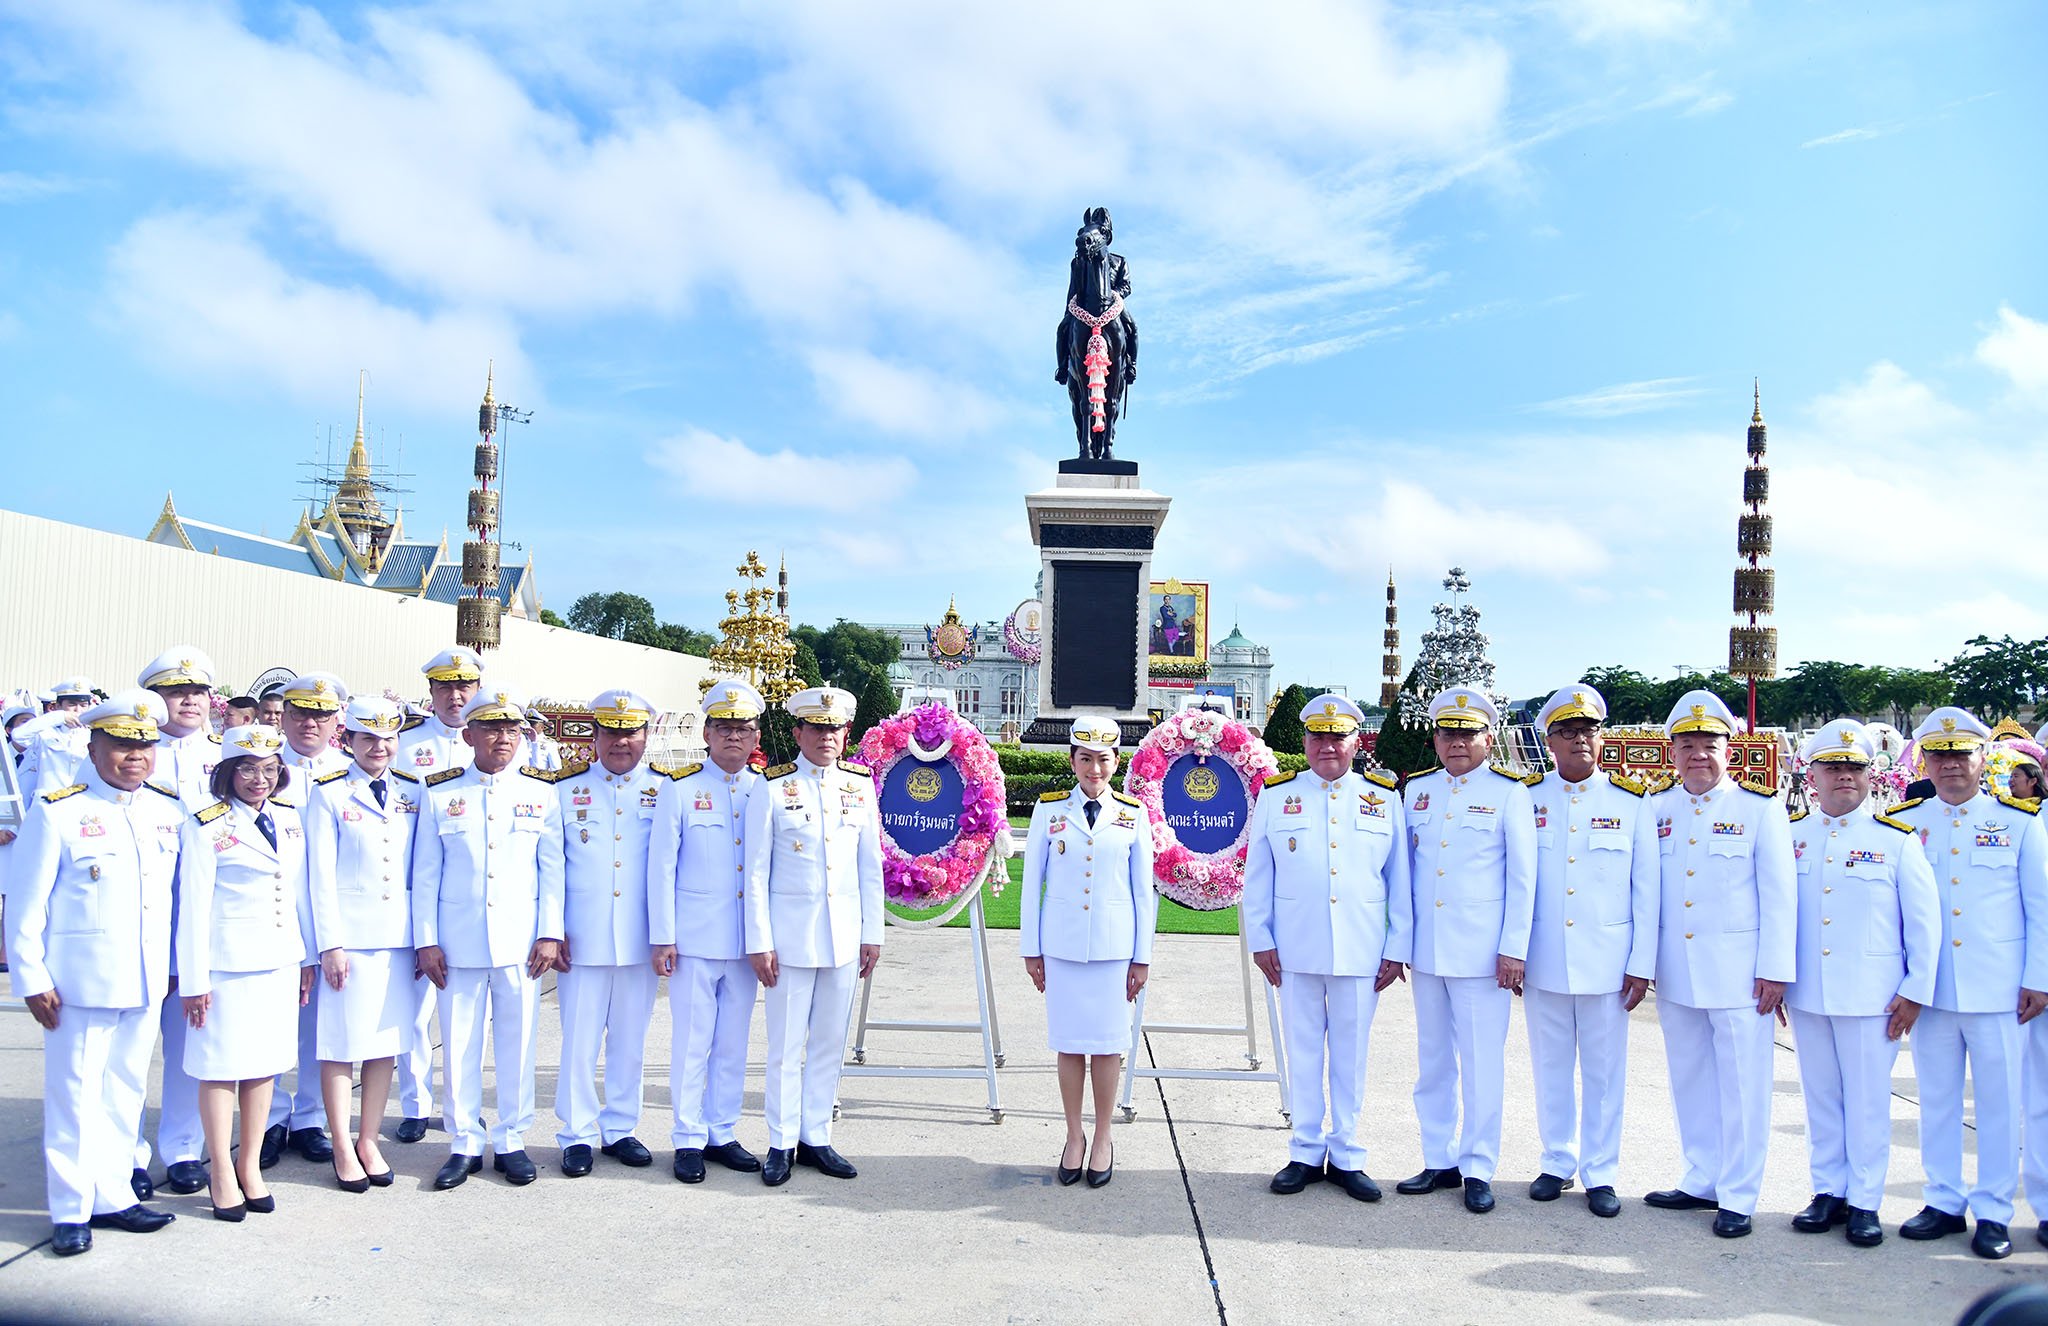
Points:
(1094, 529)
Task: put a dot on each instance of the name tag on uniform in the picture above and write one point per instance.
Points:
(1857, 856)
(1724, 829)
(1604, 822)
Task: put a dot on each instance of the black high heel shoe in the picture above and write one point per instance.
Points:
(350, 1185)
(263, 1205)
(1099, 1178)
(1070, 1177)
(383, 1180)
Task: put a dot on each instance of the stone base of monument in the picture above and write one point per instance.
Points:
(1094, 530)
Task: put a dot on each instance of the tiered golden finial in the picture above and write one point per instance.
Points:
(756, 647)
(1390, 661)
(478, 613)
(1753, 647)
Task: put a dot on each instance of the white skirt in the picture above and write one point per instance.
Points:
(1085, 1008)
(371, 1016)
(252, 1027)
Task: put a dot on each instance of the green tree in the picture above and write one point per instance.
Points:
(616, 616)
(549, 617)
(877, 702)
(1628, 694)
(1903, 690)
(845, 649)
(2001, 677)
(1283, 729)
(1402, 749)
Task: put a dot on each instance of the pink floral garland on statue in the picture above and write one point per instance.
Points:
(937, 878)
(1205, 882)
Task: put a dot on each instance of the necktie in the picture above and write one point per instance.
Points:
(1092, 808)
(377, 790)
(267, 829)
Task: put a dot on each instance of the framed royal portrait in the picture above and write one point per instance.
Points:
(1177, 621)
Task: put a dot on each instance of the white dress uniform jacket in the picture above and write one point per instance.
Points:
(1333, 903)
(696, 871)
(359, 860)
(1473, 869)
(244, 904)
(606, 822)
(1596, 885)
(428, 746)
(1869, 915)
(185, 765)
(425, 746)
(814, 865)
(307, 768)
(487, 866)
(1078, 921)
(1729, 907)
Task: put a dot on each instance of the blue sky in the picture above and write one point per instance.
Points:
(1471, 284)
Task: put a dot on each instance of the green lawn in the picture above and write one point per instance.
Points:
(1001, 912)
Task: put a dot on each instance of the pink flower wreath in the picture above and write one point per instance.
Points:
(937, 878)
(1205, 882)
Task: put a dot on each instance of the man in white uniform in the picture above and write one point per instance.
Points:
(1592, 950)
(696, 915)
(487, 920)
(57, 744)
(89, 934)
(813, 890)
(1472, 865)
(1869, 940)
(1728, 909)
(607, 989)
(1330, 926)
(1990, 860)
(426, 746)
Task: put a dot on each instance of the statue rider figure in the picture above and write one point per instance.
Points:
(1094, 237)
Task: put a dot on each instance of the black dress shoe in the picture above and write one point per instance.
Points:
(734, 1157)
(273, 1145)
(411, 1130)
(70, 1240)
(825, 1160)
(139, 1183)
(1069, 1175)
(1991, 1241)
(1678, 1199)
(689, 1165)
(311, 1144)
(1729, 1225)
(775, 1169)
(1547, 1187)
(1356, 1182)
(1099, 1178)
(1478, 1196)
(1932, 1223)
(516, 1167)
(576, 1160)
(629, 1151)
(2041, 1233)
(1292, 1178)
(1865, 1231)
(455, 1170)
(185, 1176)
(1823, 1213)
(137, 1219)
(1602, 1202)
(1429, 1180)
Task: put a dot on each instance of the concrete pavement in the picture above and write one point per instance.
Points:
(956, 1218)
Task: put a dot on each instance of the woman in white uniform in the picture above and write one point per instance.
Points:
(243, 943)
(359, 824)
(1087, 918)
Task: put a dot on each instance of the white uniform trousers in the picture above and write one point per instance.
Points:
(608, 1009)
(1461, 1024)
(179, 1135)
(1720, 1064)
(95, 1074)
(808, 1008)
(1845, 1075)
(416, 1062)
(1574, 1037)
(302, 1107)
(2034, 1144)
(1994, 1045)
(511, 1000)
(711, 1007)
(1326, 1019)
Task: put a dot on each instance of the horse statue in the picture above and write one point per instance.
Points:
(1097, 345)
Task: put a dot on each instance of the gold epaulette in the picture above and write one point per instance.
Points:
(326, 778)
(850, 767)
(1755, 791)
(1662, 781)
(2024, 805)
(280, 801)
(436, 779)
(1626, 783)
(1127, 799)
(1891, 823)
(1903, 805)
(211, 813)
(213, 737)
(1424, 773)
(1508, 774)
(403, 776)
(161, 790)
(1275, 780)
(63, 792)
(1385, 780)
(779, 770)
(415, 721)
(1797, 816)
(677, 772)
(1531, 780)
(554, 775)
(1060, 795)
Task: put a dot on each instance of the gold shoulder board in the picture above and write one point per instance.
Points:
(1385, 780)
(334, 777)
(161, 790)
(1891, 823)
(1127, 799)
(550, 775)
(1060, 795)
(212, 812)
(403, 776)
(63, 792)
(1800, 815)
(1276, 779)
(1903, 805)
(412, 722)
(779, 770)
(1626, 783)
(677, 772)
(1754, 790)
(2024, 805)
(853, 768)
(436, 779)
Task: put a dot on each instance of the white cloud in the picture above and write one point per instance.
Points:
(897, 399)
(1857, 135)
(1625, 398)
(1889, 408)
(20, 187)
(200, 295)
(1607, 20)
(722, 468)
(2018, 348)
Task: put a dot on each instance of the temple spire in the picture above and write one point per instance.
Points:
(359, 450)
(1757, 388)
